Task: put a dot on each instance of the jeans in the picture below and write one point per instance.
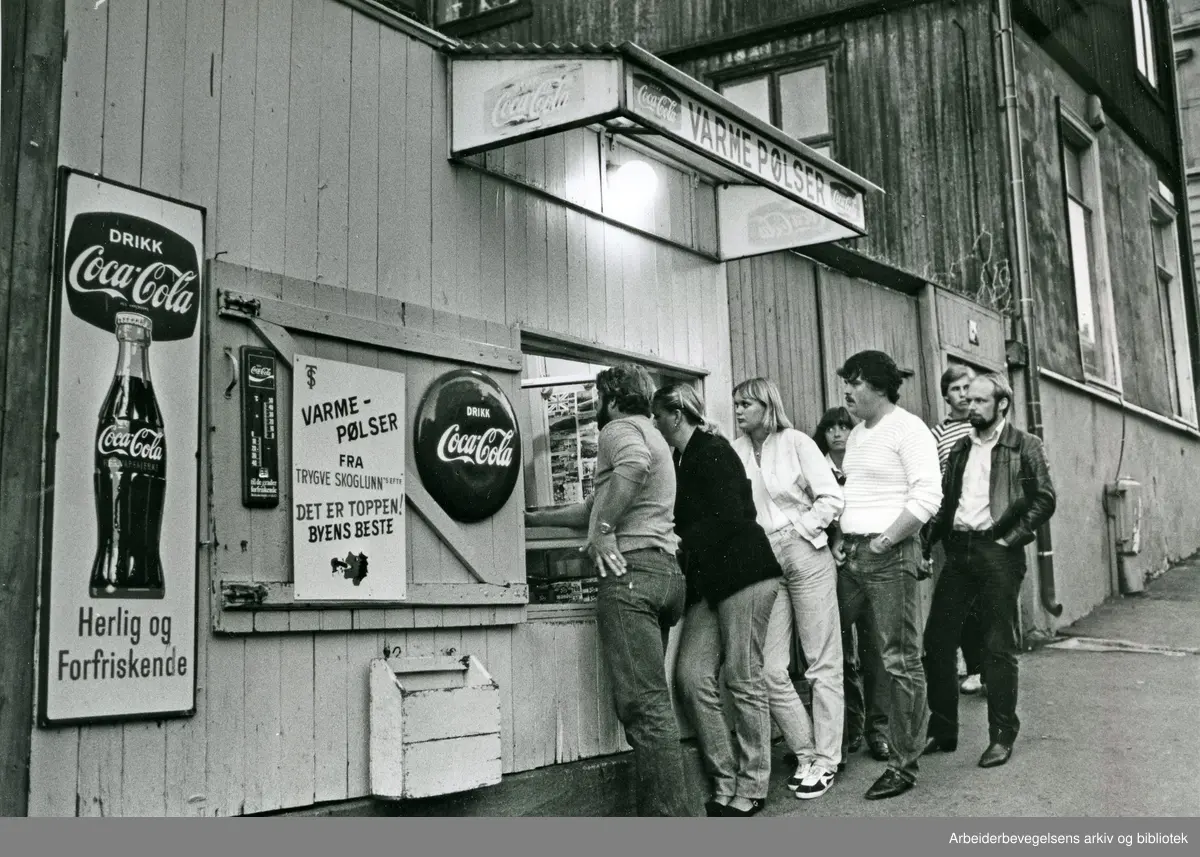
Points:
(865, 682)
(977, 570)
(733, 633)
(810, 608)
(885, 588)
(634, 615)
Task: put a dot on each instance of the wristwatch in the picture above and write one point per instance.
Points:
(885, 541)
(606, 529)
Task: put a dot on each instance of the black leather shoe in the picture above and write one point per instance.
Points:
(854, 744)
(712, 809)
(755, 809)
(939, 745)
(996, 754)
(889, 785)
(880, 749)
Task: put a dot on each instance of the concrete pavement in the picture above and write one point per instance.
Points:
(1110, 718)
(1110, 727)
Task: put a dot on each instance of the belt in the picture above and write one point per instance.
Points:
(989, 533)
(859, 537)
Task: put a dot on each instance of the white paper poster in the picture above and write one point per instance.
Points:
(348, 451)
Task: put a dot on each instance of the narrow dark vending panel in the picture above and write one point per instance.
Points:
(260, 428)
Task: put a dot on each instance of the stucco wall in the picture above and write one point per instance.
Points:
(1084, 444)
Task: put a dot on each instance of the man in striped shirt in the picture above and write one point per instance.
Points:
(893, 487)
(956, 380)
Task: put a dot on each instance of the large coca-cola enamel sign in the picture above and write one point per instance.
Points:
(116, 261)
(467, 444)
(122, 439)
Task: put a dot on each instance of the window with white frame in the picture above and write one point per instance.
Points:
(1143, 41)
(560, 432)
(1171, 307)
(1089, 253)
(795, 99)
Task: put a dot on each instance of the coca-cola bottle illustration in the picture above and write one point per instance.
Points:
(131, 473)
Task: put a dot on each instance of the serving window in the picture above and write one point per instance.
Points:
(558, 411)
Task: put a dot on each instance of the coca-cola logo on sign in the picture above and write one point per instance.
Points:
(145, 443)
(531, 99)
(467, 444)
(261, 374)
(845, 201)
(653, 99)
(492, 447)
(776, 221)
(116, 262)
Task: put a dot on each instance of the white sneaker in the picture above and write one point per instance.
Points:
(797, 778)
(970, 684)
(815, 784)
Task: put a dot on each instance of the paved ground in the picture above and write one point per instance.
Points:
(1110, 727)
(1114, 732)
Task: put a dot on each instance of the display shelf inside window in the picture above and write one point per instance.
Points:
(565, 448)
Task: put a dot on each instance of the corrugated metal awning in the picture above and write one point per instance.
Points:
(773, 192)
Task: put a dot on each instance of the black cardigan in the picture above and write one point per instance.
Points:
(723, 548)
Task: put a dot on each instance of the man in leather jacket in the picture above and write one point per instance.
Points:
(997, 492)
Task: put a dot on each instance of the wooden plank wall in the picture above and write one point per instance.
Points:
(568, 166)
(914, 96)
(795, 321)
(31, 82)
(316, 138)
(857, 315)
(657, 26)
(913, 110)
(1129, 177)
(954, 316)
(775, 331)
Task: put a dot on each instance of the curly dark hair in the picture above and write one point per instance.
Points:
(877, 369)
(628, 386)
(833, 417)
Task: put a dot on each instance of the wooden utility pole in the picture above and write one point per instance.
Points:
(31, 78)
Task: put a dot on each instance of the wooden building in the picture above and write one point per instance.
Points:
(913, 96)
(346, 221)
(1185, 19)
(344, 217)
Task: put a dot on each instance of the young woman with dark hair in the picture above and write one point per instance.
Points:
(732, 583)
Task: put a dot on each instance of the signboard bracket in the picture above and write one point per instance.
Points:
(447, 529)
(246, 595)
(273, 318)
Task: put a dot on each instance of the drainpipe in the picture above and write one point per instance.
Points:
(1022, 282)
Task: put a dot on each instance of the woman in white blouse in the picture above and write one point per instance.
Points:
(797, 498)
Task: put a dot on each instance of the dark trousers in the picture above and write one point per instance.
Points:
(865, 683)
(634, 615)
(971, 641)
(977, 569)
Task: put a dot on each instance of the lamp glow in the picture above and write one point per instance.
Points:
(633, 182)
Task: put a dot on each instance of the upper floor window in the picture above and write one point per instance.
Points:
(1171, 308)
(1143, 41)
(1089, 254)
(796, 100)
(463, 17)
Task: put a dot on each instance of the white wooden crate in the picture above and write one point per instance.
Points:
(434, 727)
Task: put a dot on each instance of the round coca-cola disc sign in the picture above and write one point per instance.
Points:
(468, 448)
